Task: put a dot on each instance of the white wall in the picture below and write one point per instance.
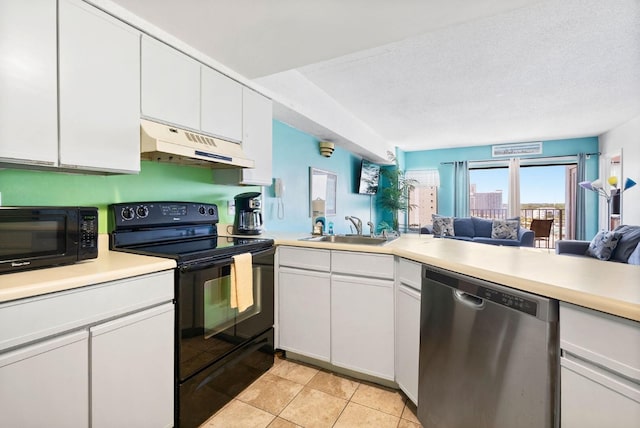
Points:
(626, 138)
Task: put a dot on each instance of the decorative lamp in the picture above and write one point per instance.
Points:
(628, 184)
(614, 193)
(326, 148)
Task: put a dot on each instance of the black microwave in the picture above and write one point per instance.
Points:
(35, 237)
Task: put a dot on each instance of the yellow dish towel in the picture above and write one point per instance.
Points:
(242, 282)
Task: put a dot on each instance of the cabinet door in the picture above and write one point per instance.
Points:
(170, 85)
(362, 325)
(257, 137)
(99, 90)
(221, 113)
(132, 370)
(407, 340)
(28, 82)
(592, 397)
(303, 312)
(46, 384)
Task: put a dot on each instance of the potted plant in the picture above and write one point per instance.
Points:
(394, 196)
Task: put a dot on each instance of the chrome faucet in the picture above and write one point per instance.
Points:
(371, 229)
(356, 222)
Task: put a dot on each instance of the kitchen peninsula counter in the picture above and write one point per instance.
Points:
(109, 266)
(608, 287)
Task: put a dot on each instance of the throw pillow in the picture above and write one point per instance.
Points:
(505, 229)
(482, 227)
(603, 245)
(634, 258)
(442, 226)
(463, 226)
(629, 240)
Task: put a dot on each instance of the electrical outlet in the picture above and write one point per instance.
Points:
(231, 207)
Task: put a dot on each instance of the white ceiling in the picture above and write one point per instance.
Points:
(424, 74)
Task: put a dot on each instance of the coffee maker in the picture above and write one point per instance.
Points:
(248, 220)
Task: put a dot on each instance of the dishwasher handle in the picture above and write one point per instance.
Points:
(468, 300)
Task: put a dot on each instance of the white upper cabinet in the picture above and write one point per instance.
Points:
(170, 85)
(221, 103)
(28, 85)
(257, 112)
(99, 60)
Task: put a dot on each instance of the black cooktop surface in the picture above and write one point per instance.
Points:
(202, 250)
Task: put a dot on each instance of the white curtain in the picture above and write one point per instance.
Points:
(514, 187)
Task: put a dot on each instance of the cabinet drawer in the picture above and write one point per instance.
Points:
(26, 320)
(362, 264)
(410, 273)
(588, 402)
(305, 258)
(604, 339)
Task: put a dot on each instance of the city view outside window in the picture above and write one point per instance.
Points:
(542, 196)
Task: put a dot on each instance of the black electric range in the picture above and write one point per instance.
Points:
(219, 349)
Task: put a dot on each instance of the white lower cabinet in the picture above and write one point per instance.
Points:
(408, 340)
(600, 369)
(408, 285)
(99, 356)
(132, 370)
(304, 310)
(45, 384)
(362, 325)
(338, 307)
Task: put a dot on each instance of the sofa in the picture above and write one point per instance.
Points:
(621, 245)
(482, 230)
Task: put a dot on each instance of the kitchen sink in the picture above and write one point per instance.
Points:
(349, 239)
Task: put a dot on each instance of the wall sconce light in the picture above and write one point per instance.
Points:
(326, 148)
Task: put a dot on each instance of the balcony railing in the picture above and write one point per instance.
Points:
(558, 230)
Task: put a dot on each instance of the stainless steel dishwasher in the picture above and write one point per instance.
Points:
(488, 355)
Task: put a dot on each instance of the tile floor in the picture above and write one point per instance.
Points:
(293, 394)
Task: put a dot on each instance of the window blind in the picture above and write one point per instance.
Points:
(425, 177)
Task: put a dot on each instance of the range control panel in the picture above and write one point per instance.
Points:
(136, 215)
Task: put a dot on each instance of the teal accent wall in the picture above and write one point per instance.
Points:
(427, 159)
(294, 152)
(156, 181)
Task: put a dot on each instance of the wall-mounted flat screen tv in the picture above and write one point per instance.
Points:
(369, 178)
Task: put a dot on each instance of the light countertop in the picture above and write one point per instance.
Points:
(109, 266)
(604, 286)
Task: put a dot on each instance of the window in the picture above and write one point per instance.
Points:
(488, 192)
(542, 192)
(424, 197)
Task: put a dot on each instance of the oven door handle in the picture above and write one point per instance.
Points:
(227, 261)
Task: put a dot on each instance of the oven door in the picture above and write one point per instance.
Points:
(209, 328)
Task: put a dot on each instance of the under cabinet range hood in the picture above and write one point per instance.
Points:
(167, 143)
